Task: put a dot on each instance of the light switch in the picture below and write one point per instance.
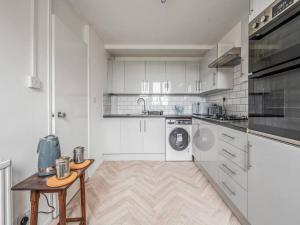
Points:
(34, 82)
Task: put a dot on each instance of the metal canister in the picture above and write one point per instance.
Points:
(62, 167)
(78, 154)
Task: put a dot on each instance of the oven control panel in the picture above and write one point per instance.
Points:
(275, 9)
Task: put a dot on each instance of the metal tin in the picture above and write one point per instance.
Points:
(62, 167)
(78, 154)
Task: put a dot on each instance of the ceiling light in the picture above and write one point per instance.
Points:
(163, 1)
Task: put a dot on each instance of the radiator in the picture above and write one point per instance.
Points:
(5, 193)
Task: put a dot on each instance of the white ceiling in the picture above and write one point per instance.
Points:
(177, 22)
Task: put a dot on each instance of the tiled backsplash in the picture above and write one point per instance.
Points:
(128, 104)
(236, 99)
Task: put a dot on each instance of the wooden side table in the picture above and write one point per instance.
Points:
(37, 185)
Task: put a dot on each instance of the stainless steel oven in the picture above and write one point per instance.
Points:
(274, 61)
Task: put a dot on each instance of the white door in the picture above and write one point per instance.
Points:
(69, 90)
(118, 71)
(192, 77)
(156, 77)
(154, 135)
(135, 77)
(175, 74)
(131, 135)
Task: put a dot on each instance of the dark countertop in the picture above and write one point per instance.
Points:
(146, 116)
(240, 125)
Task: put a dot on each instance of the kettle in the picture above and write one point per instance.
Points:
(48, 150)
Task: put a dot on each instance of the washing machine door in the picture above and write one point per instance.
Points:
(179, 139)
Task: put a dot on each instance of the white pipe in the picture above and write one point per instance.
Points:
(34, 11)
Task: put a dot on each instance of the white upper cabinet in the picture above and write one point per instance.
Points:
(258, 6)
(192, 77)
(273, 182)
(135, 77)
(118, 70)
(156, 77)
(175, 74)
(108, 86)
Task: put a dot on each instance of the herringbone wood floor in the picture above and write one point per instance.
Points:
(152, 193)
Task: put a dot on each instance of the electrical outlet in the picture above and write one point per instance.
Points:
(34, 82)
(24, 218)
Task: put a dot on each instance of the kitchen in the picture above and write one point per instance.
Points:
(190, 117)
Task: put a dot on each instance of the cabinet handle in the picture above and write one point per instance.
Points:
(196, 85)
(241, 68)
(248, 156)
(140, 126)
(226, 135)
(167, 85)
(145, 128)
(228, 152)
(228, 188)
(147, 86)
(250, 7)
(228, 169)
(214, 78)
(200, 85)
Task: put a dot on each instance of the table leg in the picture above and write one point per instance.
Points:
(34, 199)
(82, 198)
(62, 207)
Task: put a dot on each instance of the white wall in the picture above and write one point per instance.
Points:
(98, 77)
(24, 111)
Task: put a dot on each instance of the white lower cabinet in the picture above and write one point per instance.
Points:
(217, 150)
(233, 191)
(154, 135)
(110, 134)
(133, 136)
(205, 146)
(273, 182)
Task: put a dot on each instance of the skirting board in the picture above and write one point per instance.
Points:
(127, 157)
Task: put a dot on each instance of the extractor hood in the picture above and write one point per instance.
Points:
(229, 59)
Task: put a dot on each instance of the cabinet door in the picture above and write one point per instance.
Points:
(118, 77)
(110, 136)
(135, 77)
(273, 182)
(156, 77)
(154, 135)
(131, 135)
(109, 78)
(192, 77)
(175, 74)
(208, 148)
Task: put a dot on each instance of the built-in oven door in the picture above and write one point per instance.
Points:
(276, 43)
(274, 103)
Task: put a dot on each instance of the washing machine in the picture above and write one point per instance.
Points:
(179, 140)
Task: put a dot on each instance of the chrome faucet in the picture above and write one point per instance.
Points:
(142, 99)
